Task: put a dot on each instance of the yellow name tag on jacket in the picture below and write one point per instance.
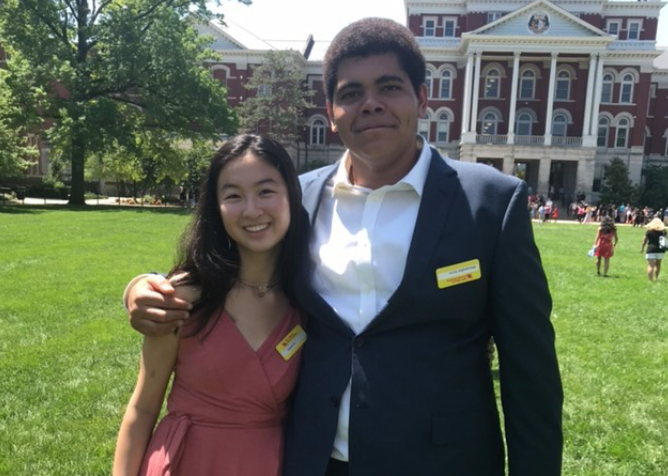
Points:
(292, 342)
(458, 273)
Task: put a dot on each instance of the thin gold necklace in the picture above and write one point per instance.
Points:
(260, 288)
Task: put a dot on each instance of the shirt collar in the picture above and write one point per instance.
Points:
(414, 179)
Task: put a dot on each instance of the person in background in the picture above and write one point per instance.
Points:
(605, 242)
(653, 237)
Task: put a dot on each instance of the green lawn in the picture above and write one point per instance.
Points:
(68, 357)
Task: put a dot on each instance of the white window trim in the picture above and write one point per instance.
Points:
(493, 16)
(453, 74)
(426, 121)
(628, 29)
(530, 122)
(430, 88)
(628, 134)
(623, 83)
(218, 67)
(607, 132)
(498, 78)
(614, 21)
(451, 118)
(612, 87)
(568, 90)
(311, 124)
(454, 26)
(424, 26)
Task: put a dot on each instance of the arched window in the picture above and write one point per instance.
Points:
(492, 83)
(524, 125)
(424, 126)
(490, 123)
(622, 135)
(559, 125)
(603, 132)
(563, 86)
(626, 91)
(428, 82)
(527, 84)
(606, 90)
(443, 127)
(446, 85)
(317, 134)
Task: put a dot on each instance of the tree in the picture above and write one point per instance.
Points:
(104, 71)
(280, 98)
(145, 164)
(15, 149)
(654, 190)
(617, 187)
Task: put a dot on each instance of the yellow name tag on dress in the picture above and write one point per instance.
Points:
(458, 273)
(292, 342)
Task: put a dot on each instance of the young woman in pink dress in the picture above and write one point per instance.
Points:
(605, 242)
(235, 361)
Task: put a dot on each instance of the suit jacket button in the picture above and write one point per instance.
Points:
(359, 342)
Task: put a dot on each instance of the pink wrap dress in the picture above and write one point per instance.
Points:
(227, 405)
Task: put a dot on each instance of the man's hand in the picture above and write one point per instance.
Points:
(154, 309)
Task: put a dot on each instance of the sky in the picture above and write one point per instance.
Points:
(281, 21)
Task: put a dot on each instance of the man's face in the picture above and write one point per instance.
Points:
(375, 110)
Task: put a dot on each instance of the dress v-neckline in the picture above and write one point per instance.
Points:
(269, 338)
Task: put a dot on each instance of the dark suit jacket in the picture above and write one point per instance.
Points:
(423, 399)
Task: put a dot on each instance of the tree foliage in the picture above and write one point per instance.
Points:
(146, 166)
(16, 151)
(617, 187)
(654, 190)
(279, 98)
(105, 71)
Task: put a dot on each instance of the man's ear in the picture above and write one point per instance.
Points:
(422, 101)
(330, 115)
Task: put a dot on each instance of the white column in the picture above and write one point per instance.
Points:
(544, 177)
(550, 100)
(476, 92)
(466, 113)
(513, 99)
(598, 87)
(586, 125)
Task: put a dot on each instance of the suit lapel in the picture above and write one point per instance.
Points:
(440, 190)
(311, 301)
(312, 190)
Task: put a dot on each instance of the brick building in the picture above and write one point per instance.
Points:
(549, 90)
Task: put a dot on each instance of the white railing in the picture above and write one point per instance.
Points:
(435, 42)
(529, 140)
(491, 139)
(632, 45)
(567, 141)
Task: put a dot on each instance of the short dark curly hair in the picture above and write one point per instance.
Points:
(374, 36)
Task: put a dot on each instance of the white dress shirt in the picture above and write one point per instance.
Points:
(360, 243)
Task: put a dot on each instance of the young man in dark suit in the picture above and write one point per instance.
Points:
(418, 261)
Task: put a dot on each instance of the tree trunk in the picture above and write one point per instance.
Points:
(78, 156)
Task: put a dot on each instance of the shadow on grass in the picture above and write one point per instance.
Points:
(35, 209)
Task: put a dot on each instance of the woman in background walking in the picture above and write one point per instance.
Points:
(655, 234)
(605, 242)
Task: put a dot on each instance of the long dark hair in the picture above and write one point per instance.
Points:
(206, 252)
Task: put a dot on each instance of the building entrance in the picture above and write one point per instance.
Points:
(563, 175)
(527, 170)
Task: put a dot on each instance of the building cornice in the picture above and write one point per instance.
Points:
(527, 44)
